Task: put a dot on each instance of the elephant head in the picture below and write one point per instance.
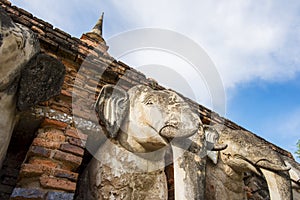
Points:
(144, 119)
(18, 45)
(140, 122)
(246, 152)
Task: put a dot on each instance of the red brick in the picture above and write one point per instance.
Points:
(60, 173)
(29, 170)
(64, 52)
(53, 135)
(71, 66)
(66, 93)
(43, 162)
(76, 141)
(54, 123)
(72, 149)
(45, 143)
(76, 134)
(43, 22)
(62, 32)
(56, 183)
(39, 151)
(37, 30)
(82, 49)
(22, 20)
(69, 159)
(48, 44)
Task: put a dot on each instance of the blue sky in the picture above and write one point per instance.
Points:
(255, 47)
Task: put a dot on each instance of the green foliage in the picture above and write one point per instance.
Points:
(298, 149)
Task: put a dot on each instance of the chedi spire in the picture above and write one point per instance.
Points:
(99, 25)
(94, 37)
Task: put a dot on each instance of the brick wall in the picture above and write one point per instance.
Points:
(51, 164)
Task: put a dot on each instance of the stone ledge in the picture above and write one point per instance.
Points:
(36, 194)
(27, 194)
(59, 195)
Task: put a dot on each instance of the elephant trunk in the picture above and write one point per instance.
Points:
(265, 164)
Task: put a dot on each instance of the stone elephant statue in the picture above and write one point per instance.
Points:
(26, 76)
(140, 123)
(245, 153)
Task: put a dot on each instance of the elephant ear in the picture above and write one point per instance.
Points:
(212, 146)
(112, 108)
(211, 137)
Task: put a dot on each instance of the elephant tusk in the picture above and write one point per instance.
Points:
(278, 184)
(219, 147)
(266, 164)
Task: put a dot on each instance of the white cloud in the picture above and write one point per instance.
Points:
(246, 39)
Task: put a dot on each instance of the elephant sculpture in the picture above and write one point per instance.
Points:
(141, 123)
(245, 153)
(26, 76)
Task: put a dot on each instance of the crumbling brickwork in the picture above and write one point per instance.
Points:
(52, 161)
